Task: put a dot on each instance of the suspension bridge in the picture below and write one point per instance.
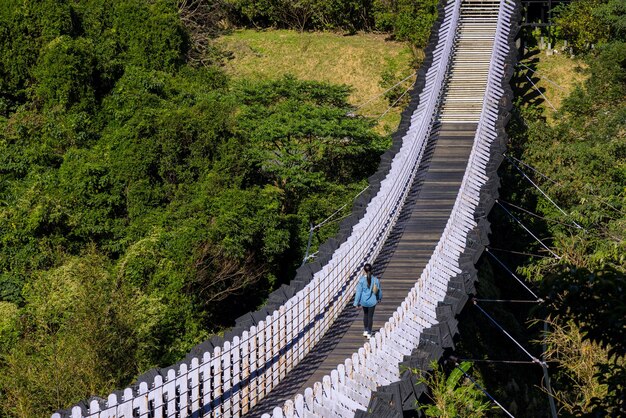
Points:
(421, 222)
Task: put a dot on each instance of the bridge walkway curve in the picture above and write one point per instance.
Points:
(427, 208)
(411, 244)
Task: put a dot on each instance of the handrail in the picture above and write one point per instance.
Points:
(233, 378)
(348, 387)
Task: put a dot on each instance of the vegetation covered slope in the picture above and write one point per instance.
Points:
(147, 200)
(577, 155)
(369, 62)
(584, 153)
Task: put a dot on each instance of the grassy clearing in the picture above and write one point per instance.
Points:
(558, 76)
(358, 61)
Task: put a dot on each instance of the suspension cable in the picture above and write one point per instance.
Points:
(529, 231)
(542, 95)
(327, 220)
(546, 376)
(533, 358)
(513, 274)
(545, 78)
(537, 215)
(483, 390)
(559, 184)
(384, 92)
(519, 252)
(313, 228)
(508, 301)
(588, 193)
(533, 169)
(542, 362)
(490, 361)
(540, 190)
(396, 102)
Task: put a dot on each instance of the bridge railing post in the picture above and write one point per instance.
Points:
(282, 338)
(262, 357)
(275, 350)
(206, 380)
(216, 372)
(236, 362)
(252, 387)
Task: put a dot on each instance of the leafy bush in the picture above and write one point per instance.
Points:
(81, 332)
(591, 22)
(405, 20)
(453, 395)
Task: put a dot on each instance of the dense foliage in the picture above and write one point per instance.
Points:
(451, 393)
(406, 20)
(578, 159)
(586, 151)
(590, 22)
(141, 196)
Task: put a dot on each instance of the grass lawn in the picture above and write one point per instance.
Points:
(558, 75)
(358, 61)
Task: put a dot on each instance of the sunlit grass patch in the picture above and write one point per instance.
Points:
(359, 61)
(558, 75)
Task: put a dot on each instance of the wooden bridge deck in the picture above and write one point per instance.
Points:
(406, 252)
(425, 214)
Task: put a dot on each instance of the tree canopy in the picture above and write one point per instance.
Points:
(142, 192)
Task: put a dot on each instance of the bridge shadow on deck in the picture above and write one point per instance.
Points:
(400, 262)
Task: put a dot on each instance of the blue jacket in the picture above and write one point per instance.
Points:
(364, 295)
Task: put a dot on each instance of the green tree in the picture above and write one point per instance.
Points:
(64, 73)
(80, 333)
(298, 136)
(406, 20)
(580, 23)
(453, 395)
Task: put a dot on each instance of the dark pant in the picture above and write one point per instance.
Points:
(368, 318)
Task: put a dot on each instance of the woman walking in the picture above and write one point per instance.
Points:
(368, 294)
